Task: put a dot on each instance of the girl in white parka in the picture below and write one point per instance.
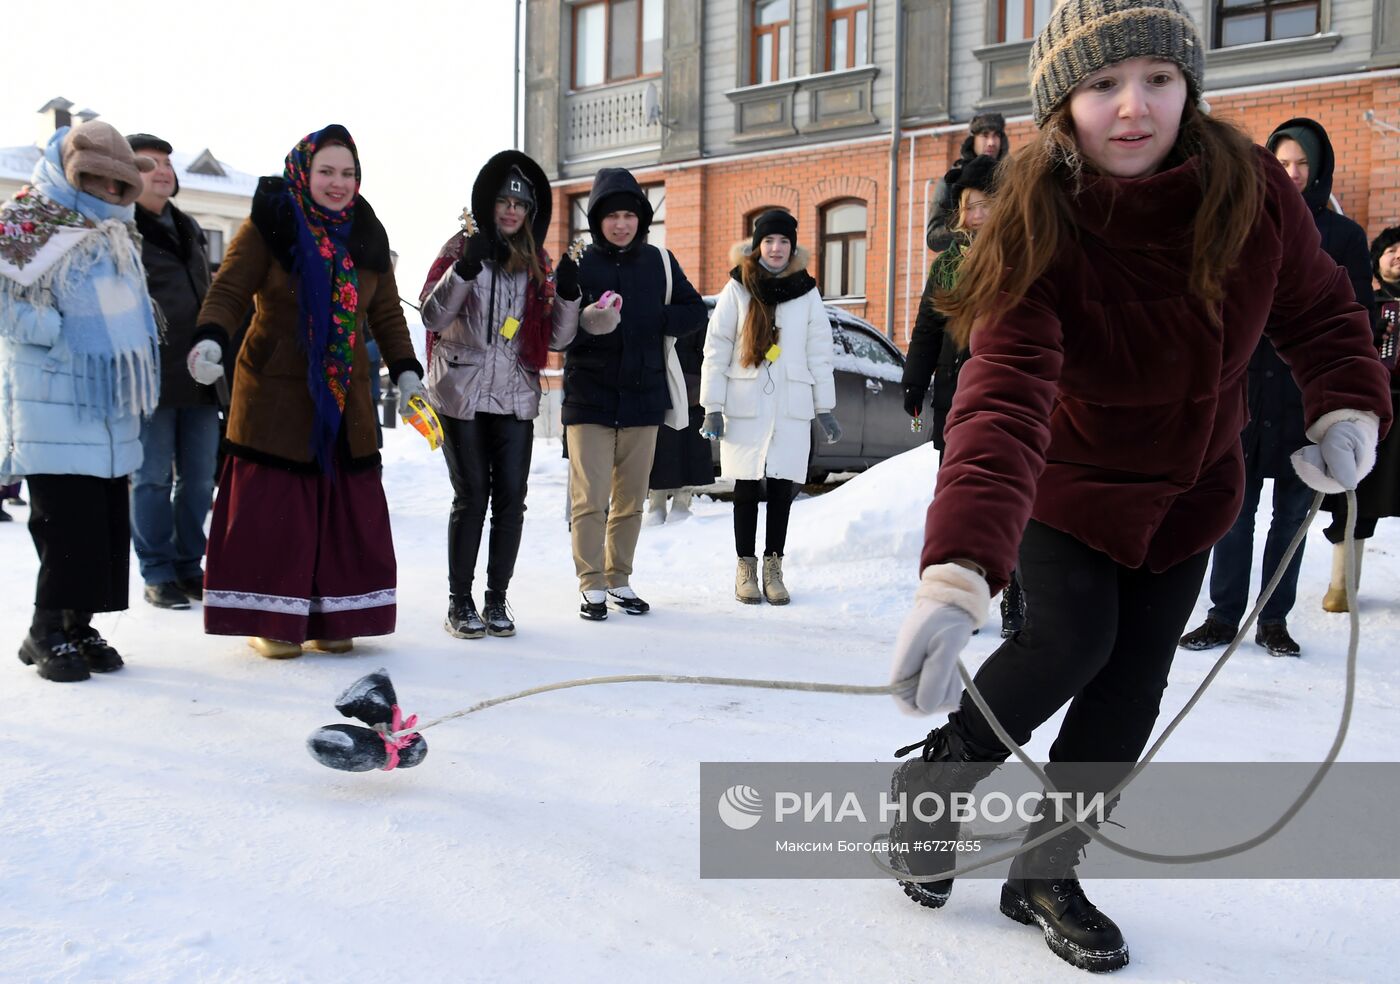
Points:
(767, 373)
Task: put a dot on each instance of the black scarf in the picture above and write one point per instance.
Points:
(774, 290)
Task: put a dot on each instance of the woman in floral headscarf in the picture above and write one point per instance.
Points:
(299, 547)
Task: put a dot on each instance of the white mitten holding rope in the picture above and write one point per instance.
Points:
(602, 316)
(950, 602)
(204, 360)
(1344, 454)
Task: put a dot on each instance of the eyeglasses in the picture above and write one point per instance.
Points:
(513, 204)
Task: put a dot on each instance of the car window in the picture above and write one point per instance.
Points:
(869, 348)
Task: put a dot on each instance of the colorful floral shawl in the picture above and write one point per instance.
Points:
(327, 291)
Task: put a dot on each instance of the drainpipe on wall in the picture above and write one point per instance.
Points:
(515, 119)
(892, 197)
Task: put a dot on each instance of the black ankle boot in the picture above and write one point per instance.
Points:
(1041, 889)
(47, 649)
(101, 657)
(948, 764)
(462, 620)
(497, 614)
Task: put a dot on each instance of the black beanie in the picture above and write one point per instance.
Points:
(517, 186)
(618, 201)
(774, 222)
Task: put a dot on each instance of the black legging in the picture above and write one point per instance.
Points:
(746, 516)
(488, 460)
(1099, 635)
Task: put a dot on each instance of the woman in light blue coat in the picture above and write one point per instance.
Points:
(79, 367)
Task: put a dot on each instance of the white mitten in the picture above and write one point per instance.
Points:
(600, 318)
(950, 602)
(1344, 454)
(204, 361)
(409, 386)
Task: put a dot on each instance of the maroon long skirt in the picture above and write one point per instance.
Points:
(296, 557)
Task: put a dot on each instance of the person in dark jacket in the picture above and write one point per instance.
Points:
(934, 357)
(1379, 494)
(1275, 427)
(180, 441)
(683, 459)
(615, 392)
(986, 135)
(1137, 252)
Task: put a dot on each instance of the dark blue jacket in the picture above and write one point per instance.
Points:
(619, 379)
(1276, 425)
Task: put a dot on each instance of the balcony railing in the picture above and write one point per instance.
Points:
(608, 119)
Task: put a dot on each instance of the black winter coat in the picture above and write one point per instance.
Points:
(1276, 426)
(619, 379)
(177, 275)
(1378, 495)
(933, 355)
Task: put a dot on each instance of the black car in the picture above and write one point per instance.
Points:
(869, 400)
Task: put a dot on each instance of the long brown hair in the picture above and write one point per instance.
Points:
(1033, 213)
(759, 332)
(524, 254)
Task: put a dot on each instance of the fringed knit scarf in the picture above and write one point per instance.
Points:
(532, 340)
(328, 294)
(64, 249)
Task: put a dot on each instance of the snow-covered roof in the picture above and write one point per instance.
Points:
(17, 164)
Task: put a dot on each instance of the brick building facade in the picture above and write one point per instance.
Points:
(715, 145)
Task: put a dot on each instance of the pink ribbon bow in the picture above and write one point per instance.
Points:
(393, 745)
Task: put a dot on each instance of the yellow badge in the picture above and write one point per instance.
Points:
(509, 329)
(773, 352)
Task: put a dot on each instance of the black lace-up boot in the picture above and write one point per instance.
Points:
(498, 615)
(462, 621)
(948, 764)
(1041, 889)
(1013, 608)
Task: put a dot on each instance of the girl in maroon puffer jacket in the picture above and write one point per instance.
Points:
(1135, 254)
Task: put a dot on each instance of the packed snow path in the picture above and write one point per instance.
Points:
(165, 823)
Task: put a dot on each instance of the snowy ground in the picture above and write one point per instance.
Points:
(166, 824)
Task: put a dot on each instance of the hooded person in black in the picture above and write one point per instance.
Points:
(615, 390)
(1378, 495)
(1276, 426)
(986, 135)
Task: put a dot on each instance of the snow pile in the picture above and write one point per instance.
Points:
(165, 823)
(878, 515)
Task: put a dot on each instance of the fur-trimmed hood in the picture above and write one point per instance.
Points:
(796, 263)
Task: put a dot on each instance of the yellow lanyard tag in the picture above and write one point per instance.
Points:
(509, 329)
(773, 352)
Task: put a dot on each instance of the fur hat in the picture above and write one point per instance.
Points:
(987, 123)
(96, 148)
(1387, 238)
(980, 174)
(1084, 36)
(774, 222)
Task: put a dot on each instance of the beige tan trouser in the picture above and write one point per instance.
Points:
(608, 472)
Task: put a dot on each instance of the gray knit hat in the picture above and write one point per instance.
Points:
(1084, 36)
